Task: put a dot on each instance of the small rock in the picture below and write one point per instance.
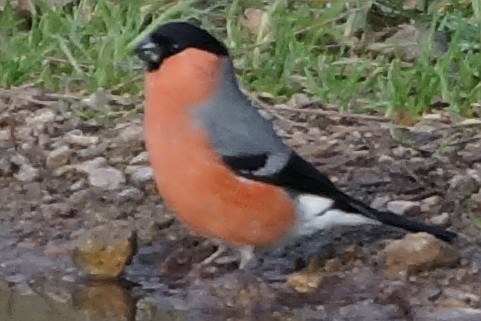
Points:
(5, 166)
(368, 311)
(475, 174)
(385, 159)
(5, 135)
(141, 158)
(132, 133)
(418, 252)
(59, 157)
(406, 208)
(435, 117)
(42, 116)
(368, 178)
(79, 197)
(106, 178)
(76, 137)
(464, 296)
(463, 184)
(27, 173)
(131, 193)
(77, 185)
(442, 219)
(400, 151)
(93, 151)
(445, 314)
(379, 202)
(142, 175)
(304, 282)
(56, 209)
(432, 201)
(91, 165)
(105, 250)
(298, 99)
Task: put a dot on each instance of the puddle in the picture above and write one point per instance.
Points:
(90, 302)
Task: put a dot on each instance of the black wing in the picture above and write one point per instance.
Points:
(300, 176)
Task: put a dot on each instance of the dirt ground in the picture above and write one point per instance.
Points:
(61, 176)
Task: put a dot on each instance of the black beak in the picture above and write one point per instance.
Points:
(149, 52)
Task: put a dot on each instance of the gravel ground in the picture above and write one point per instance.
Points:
(62, 176)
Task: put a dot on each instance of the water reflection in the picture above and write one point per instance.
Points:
(93, 301)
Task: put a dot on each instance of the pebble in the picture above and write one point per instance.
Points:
(76, 137)
(369, 311)
(442, 219)
(59, 157)
(55, 210)
(463, 184)
(77, 185)
(131, 193)
(304, 282)
(460, 295)
(418, 252)
(432, 201)
(445, 314)
(107, 178)
(132, 133)
(27, 173)
(91, 165)
(386, 159)
(379, 202)
(41, 117)
(141, 158)
(142, 175)
(105, 250)
(406, 208)
(400, 151)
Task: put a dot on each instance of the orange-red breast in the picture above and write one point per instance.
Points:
(219, 164)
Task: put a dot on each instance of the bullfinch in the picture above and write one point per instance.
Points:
(220, 166)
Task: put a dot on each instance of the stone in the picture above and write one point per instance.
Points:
(379, 202)
(463, 184)
(141, 158)
(386, 159)
(400, 151)
(445, 314)
(42, 116)
(104, 251)
(5, 166)
(442, 219)
(369, 311)
(27, 173)
(76, 137)
(432, 200)
(59, 157)
(56, 210)
(304, 282)
(418, 252)
(132, 133)
(107, 178)
(466, 297)
(406, 208)
(142, 175)
(131, 193)
(91, 165)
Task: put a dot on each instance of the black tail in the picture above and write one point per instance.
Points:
(392, 219)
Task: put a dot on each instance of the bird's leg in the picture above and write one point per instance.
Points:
(246, 254)
(220, 249)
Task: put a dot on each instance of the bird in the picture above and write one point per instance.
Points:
(219, 164)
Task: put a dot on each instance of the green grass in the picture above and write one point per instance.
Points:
(304, 46)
